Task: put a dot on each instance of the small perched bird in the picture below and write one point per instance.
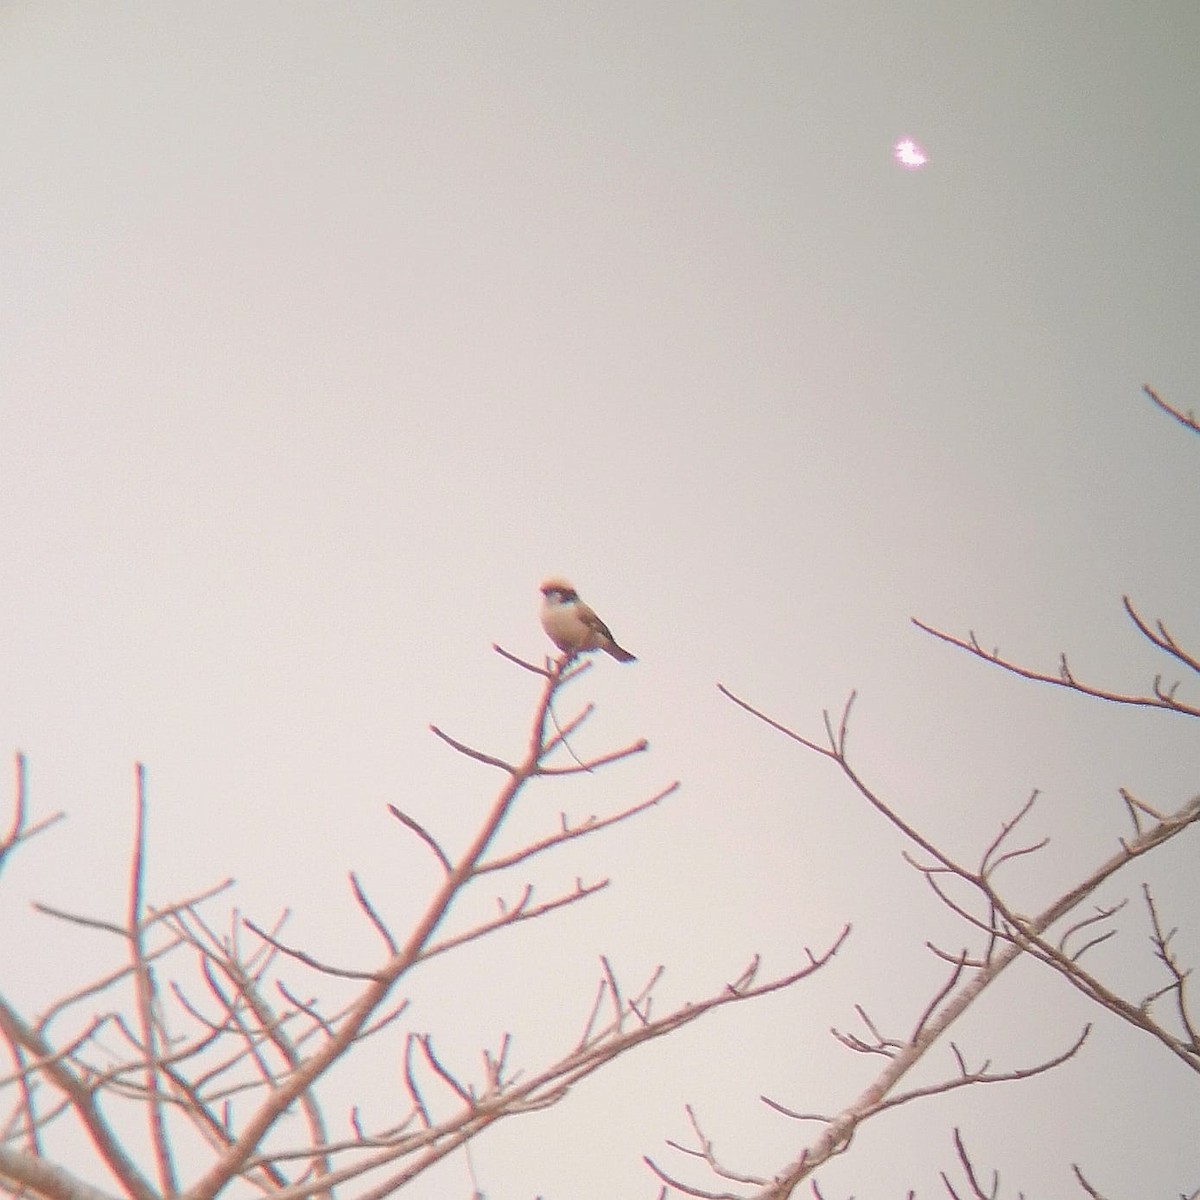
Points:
(572, 626)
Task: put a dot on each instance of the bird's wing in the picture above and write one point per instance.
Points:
(593, 622)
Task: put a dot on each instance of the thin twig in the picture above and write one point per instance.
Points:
(1188, 420)
(569, 832)
(307, 959)
(520, 662)
(375, 918)
(1160, 698)
(421, 832)
(144, 992)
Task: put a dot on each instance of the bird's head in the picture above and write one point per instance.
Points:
(556, 586)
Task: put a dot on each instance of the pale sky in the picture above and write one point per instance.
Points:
(327, 332)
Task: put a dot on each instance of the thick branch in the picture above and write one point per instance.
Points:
(28, 1174)
(83, 1101)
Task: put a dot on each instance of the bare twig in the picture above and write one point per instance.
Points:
(30, 1175)
(704, 1150)
(569, 832)
(601, 760)
(307, 959)
(1083, 1183)
(230, 1047)
(1161, 940)
(144, 990)
(421, 832)
(972, 1175)
(1020, 935)
(439, 1069)
(1160, 697)
(522, 911)
(373, 916)
(19, 830)
(520, 662)
(489, 760)
(83, 1101)
(1187, 420)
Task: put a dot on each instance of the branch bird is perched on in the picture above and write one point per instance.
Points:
(572, 626)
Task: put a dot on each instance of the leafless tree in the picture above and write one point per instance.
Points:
(1059, 936)
(214, 1047)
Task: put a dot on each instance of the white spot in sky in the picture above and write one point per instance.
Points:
(909, 155)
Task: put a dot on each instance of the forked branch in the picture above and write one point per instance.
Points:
(1009, 936)
(230, 1042)
(1160, 695)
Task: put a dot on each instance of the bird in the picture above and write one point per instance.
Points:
(572, 626)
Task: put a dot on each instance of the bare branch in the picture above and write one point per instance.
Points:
(1101, 914)
(705, 1152)
(373, 916)
(470, 752)
(614, 991)
(523, 911)
(96, 987)
(1162, 948)
(972, 1177)
(423, 834)
(1159, 698)
(1083, 1183)
(411, 1081)
(379, 985)
(687, 1189)
(27, 1173)
(29, 1067)
(226, 1051)
(144, 990)
(967, 1078)
(1187, 420)
(1020, 935)
(992, 858)
(1160, 636)
(563, 732)
(602, 760)
(83, 1101)
(520, 662)
(426, 1044)
(19, 830)
(939, 996)
(307, 959)
(77, 919)
(829, 751)
(569, 832)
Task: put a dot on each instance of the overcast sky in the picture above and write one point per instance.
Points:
(327, 332)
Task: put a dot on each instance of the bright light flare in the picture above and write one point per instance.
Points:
(909, 155)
